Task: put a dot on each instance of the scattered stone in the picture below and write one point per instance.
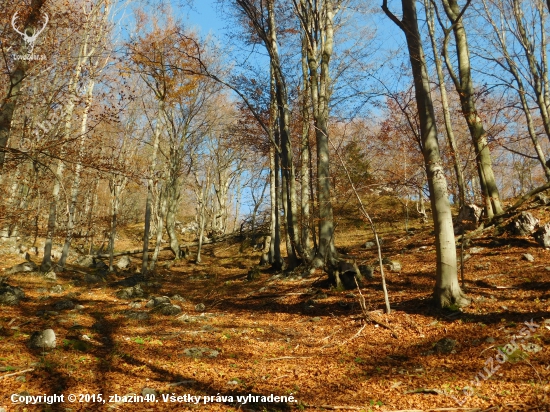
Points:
(64, 304)
(85, 261)
(528, 257)
(157, 301)
(542, 199)
(475, 250)
(370, 245)
(56, 289)
(10, 295)
(200, 307)
(33, 250)
(233, 382)
(423, 248)
(149, 391)
(469, 216)
(316, 319)
(124, 263)
(524, 224)
(130, 293)
(394, 266)
(22, 267)
(367, 271)
(490, 339)
(21, 379)
(465, 257)
(135, 315)
(201, 352)
(101, 265)
(167, 309)
(177, 298)
(253, 274)
(542, 235)
(531, 347)
(78, 307)
(85, 337)
(93, 278)
(134, 305)
(43, 340)
(445, 346)
(50, 276)
(483, 266)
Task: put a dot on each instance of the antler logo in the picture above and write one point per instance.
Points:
(29, 35)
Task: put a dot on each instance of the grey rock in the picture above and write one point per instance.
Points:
(200, 307)
(64, 305)
(445, 346)
(370, 245)
(490, 339)
(528, 257)
(531, 347)
(135, 305)
(475, 250)
(101, 265)
(148, 391)
(85, 261)
(130, 293)
(542, 199)
(124, 262)
(56, 289)
(177, 298)
(50, 276)
(157, 301)
(367, 271)
(93, 278)
(43, 340)
(394, 266)
(542, 236)
(524, 224)
(167, 309)
(135, 315)
(79, 307)
(201, 353)
(56, 254)
(22, 267)
(10, 295)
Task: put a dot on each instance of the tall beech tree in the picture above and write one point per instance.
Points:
(447, 289)
(464, 85)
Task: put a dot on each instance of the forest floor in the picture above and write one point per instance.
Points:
(289, 335)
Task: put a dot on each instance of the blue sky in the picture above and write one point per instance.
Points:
(204, 15)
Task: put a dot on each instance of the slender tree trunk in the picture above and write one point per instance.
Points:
(77, 178)
(305, 149)
(465, 89)
(150, 183)
(160, 216)
(457, 163)
(447, 290)
(287, 163)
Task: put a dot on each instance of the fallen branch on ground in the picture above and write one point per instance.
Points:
(16, 373)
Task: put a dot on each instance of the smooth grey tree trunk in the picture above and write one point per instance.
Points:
(77, 178)
(447, 290)
(466, 91)
(150, 183)
(457, 163)
(317, 24)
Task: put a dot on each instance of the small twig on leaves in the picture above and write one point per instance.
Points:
(16, 373)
